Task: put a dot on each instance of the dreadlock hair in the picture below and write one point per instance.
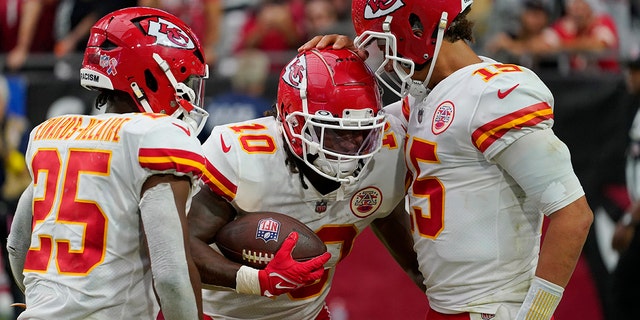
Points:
(291, 160)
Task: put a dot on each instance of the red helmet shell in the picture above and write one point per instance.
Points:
(121, 48)
(333, 80)
(369, 15)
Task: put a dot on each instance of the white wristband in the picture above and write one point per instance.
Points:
(541, 300)
(247, 281)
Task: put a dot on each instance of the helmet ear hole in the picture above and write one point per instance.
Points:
(416, 25)
(199, 55)
(150, 80)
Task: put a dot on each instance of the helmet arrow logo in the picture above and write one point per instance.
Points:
(295, 72)
(169, 35)
(379, 8)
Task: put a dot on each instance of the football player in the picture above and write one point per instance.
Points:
(102, 226)
(485, 163)
(329, 158)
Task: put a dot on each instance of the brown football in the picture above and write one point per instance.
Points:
(252, 239)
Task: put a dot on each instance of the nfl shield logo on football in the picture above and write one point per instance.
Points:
(268, 229)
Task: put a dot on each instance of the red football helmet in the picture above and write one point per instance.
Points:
(330, 110)
(153, 56)
(411, 32)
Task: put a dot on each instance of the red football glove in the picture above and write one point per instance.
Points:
(283, 274)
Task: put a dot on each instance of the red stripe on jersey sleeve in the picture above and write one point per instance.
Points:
(218, 183)
(487, 134)
(171, 159)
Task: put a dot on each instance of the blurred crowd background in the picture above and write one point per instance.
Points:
(580, 48)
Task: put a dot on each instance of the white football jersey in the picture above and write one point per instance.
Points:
(476, 232)
(249, 169)
(87, 258)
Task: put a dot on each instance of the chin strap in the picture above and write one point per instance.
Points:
(419, 89)
(183, 92)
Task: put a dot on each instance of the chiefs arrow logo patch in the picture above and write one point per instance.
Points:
(169, 35)
(380, 8)
(295, 73)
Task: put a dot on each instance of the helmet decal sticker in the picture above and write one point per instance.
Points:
(109, 63)
(296, 72)
(379, 8)
(169, 35)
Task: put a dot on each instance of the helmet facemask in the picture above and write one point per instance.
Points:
(338, 148)
(189, 95)
(399, 80)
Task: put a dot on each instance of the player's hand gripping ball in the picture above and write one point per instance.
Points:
(254, 238)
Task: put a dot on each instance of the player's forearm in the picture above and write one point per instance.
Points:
(395, 234)
(19, 239)
(214, 268)
(164, 226)
(177, 299)
(196, 285)
(563, 242)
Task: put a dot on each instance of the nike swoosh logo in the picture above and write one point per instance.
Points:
(503, 94)
(225, 147)
(282, 287)
(186, 130)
